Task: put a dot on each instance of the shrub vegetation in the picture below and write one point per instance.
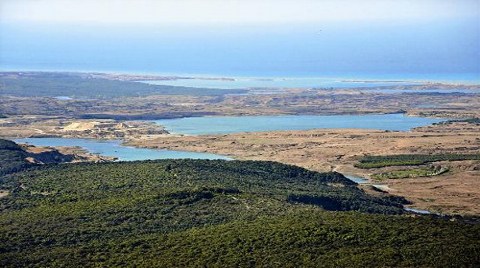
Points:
(191, 213)
(410, 159)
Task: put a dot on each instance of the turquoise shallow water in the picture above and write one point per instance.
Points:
(317, 83)
(276, 82)
(115, 149)
(233, 124)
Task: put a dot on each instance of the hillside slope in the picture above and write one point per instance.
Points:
(13, 157)
(180, 213)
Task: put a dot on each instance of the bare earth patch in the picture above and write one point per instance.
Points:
(3, 193)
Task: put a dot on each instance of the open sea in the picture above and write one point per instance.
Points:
(267, 56)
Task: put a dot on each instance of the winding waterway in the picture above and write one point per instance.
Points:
(361, 180)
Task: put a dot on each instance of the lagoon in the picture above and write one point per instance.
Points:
(275, 82)
(116, 149)
(234, 124)
(273, 85)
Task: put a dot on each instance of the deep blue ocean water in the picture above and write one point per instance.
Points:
(435, 51)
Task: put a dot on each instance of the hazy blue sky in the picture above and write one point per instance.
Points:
(302, 37)
(233, 12)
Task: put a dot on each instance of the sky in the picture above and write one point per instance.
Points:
(301, 37)
(257, 12)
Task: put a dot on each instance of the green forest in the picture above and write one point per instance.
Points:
(379, 161)
(215, 213)
(12, 157)
(428, 171)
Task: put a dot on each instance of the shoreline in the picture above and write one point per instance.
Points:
(123, 129)
(152, 76)
(175, 102)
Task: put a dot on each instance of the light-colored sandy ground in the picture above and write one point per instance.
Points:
(41, 126)
(3, 193)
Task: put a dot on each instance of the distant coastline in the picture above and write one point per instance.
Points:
(133, 75)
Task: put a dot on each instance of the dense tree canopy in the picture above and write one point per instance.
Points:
(214, 213)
